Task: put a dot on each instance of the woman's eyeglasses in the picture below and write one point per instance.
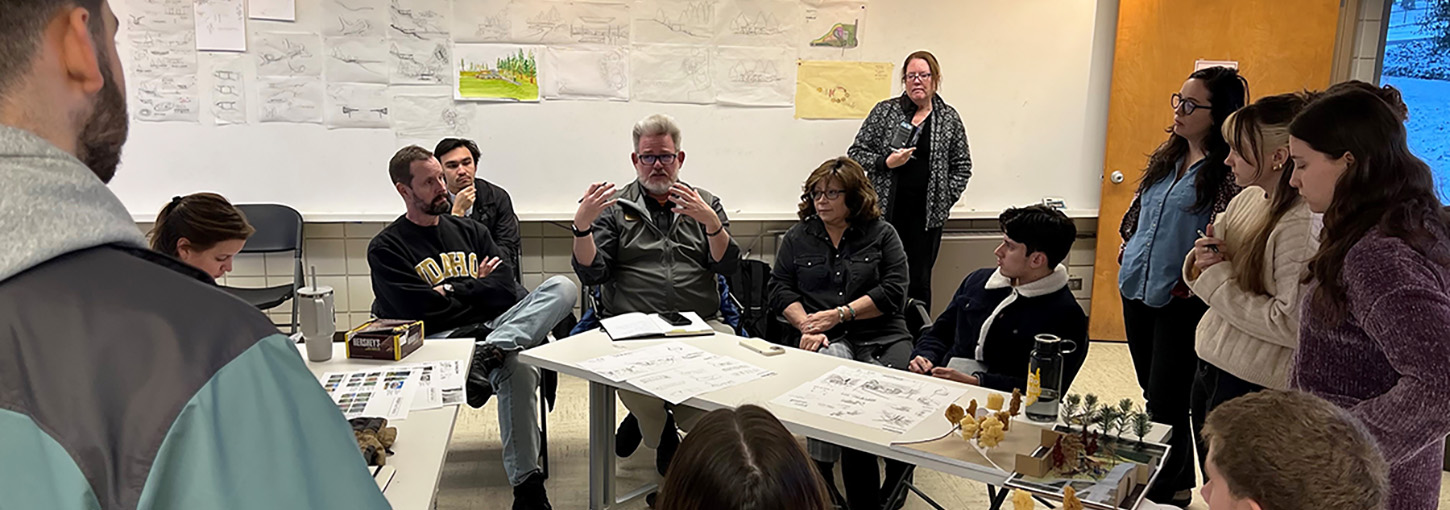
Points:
(918, 76)
(1187, 106)
(830, 194)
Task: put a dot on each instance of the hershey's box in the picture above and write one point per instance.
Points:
(386, 339)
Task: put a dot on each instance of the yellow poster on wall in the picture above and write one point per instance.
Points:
(840, 90)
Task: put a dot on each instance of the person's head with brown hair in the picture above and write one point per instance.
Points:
(1387, 93)
(1258, 143)
(418, 178)
(839, 192)
(1331, 463)
(742, 459)
(204, 230)
(920, 76)
(1352, 162)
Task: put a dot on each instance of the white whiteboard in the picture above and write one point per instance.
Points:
(1029, 78)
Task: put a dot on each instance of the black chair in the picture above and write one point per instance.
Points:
(279, 229)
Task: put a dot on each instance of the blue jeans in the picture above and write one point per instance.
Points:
(524, 325)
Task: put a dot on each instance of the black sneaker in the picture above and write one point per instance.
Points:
(486, 358)
(531, 495)
(669, 442)
(627, 438)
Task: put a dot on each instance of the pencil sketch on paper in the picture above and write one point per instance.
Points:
(290, 99)
(357, 59)
(428, 117)
(221, 25)
(873, 398)
(586, 73)
(167, 98)
(675, 21)
(162, 54)
(671, 74)
(418, 19)
(414, 61)
(228, 92)
(288, 55)
(355, 18)
(352, 105)
(757, 23)
(542, 22)
(754, 76)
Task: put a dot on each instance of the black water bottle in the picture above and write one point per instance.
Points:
(1044, 377)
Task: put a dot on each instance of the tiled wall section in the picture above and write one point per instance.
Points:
(1369, 41)
(339, 253)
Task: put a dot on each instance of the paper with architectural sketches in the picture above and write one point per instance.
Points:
(874, 398)
(290, 99)
(754, 76)
(357, 59)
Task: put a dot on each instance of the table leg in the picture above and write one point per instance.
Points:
(601, 446)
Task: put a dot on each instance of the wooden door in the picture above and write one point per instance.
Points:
(1280, 45)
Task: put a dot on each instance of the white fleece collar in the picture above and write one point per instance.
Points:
(1047, 285)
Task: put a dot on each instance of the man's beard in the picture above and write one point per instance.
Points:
(438, 207)
(656, 187)
(100, 141)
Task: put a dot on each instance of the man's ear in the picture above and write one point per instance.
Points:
(680, 159)
(1037, 259)
(1253, 505)
(79, 51)
(402, 189)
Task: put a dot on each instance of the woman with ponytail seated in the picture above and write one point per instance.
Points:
(203, 230)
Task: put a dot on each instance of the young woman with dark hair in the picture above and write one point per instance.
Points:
(1372, 338)
(1185, 184)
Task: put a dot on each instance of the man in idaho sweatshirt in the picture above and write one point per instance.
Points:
(448, 272)
(994, 316)
(128, 380)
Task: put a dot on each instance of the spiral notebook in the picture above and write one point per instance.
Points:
(639, 325)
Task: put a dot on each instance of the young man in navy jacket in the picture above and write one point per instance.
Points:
(990, 324)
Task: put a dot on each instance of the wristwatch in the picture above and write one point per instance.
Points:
(581, 233)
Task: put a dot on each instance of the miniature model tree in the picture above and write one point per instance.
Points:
(1069, 499)
(1015, 407)
(1022, 500)
(1070, 405)
(1125, 406)
(955, 413)
(1142, 425)
(991, 433)
(970, 428)
(1089, 406)
(972, 409)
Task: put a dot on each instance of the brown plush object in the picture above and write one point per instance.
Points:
(972, 408)
(374, 438)
(955, 413)
(1069, 499)
(1016, 407)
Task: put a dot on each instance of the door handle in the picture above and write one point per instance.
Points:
(1116, 177)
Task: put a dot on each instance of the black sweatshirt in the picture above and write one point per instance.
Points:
(407, 261)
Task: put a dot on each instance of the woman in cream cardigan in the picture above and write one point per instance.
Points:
(1249, 265)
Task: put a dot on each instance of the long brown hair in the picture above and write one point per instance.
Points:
(203, 219)
(931, 65)
(1385, 186)
(1255, 132)
(742, 459)
(861, 198)
(1228, 91)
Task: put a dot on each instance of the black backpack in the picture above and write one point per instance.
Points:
(750, 285)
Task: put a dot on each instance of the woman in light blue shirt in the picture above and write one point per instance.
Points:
(1185, 185)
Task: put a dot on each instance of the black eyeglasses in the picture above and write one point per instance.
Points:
(650, 159)
(830, 194)
(917, 76)
(1187, 106)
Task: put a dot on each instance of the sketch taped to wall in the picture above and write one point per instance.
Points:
(671, 74)
(496, 72)
(580, 73)
(357, 105)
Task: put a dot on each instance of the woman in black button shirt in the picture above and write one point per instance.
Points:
(840, 278)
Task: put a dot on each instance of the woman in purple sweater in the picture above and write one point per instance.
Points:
(1377, 311)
